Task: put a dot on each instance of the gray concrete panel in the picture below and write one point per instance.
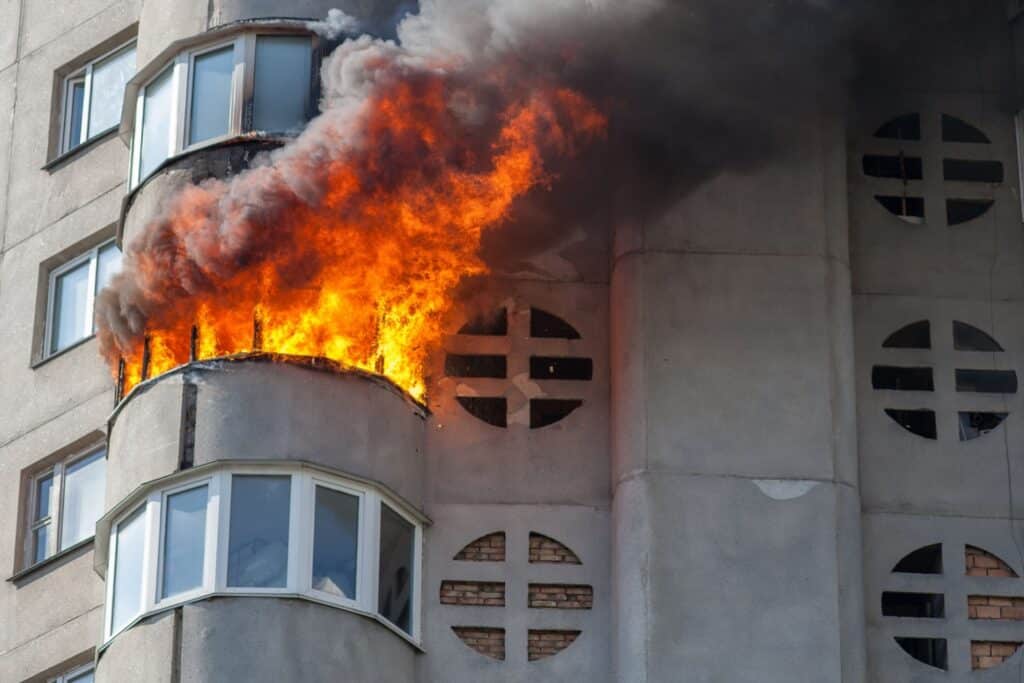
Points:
(145, 652)
(887, 539)
(741, 580)
(269, 640)
(583, 529)
(472, 461)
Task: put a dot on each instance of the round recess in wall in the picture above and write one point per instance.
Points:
(485, 383)
(903, 156)
(920, 596)
(488, 638)
(911, 386)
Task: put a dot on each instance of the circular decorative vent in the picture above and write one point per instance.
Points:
(914, 382)
(982, 608)
(489, 639)
(546, 368)
(900, 168)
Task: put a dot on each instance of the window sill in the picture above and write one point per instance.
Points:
(57, 354)
(50, 563)
(64, 157)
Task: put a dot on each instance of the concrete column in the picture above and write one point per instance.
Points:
(736, 551)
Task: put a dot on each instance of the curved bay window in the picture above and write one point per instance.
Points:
(244, 83)
(266, 530)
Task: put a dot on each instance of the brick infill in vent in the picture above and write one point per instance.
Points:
(489, 548)
(541, 644)
(995, 608)
(488, 641)
(987, 654)
(981, 563)
(560, 596)
(544, 549)
(473, 593)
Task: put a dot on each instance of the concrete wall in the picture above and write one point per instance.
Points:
(736, 513)
(264, 640)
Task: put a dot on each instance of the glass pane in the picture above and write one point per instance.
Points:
(76, 101)
(108, 79)
(84, 677)
(258, 536)
(39, 542)
(44, 487)
(211, 95)
(396, 567)
(184, 541)
(84, 484)
(335, 542)
(127, 595)
(69, 304)
(156, 123)
(109, 263)
(281, 88)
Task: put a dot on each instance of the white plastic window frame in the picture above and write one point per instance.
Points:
(300, 546)
(83, 75)
(55, 520)
(93, 257)
(69, 676)
(242, 86)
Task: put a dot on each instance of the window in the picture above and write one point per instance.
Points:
(397, 557)
(80, 674)
(184, 546)
(126, 596)
(72, 294)
(280, 93)
(65, 502)
(210, 96)
(270, 529)
(253, 83)
(93, 96)
(258, 541)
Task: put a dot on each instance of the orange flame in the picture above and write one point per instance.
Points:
(365, 273)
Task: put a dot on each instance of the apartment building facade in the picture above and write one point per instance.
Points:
(772, 436)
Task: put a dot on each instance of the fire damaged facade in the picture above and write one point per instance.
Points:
(770, 431)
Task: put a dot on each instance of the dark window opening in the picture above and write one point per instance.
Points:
(970, 338)
(931, 651)
(546, 411)
(910, 209)
(913, 336)
(975, 424)
(972, 171)
(926, 560)
(918, 605)
(550, 367)
(889, 166)
(490, 325)
(920, 422)
(906, 127)
(492, 410)
(546, 325)
(902, 379)
(986, 381)
(456, 365)
(958, 130)
(962, 210)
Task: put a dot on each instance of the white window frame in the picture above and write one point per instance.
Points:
(92, 256)
(304, 481)
(55, 519)
(83, 75)
(242, 88)
(77, 671)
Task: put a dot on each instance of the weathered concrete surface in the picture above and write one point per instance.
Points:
(268, 640)
(733, 431)
(145, 652)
